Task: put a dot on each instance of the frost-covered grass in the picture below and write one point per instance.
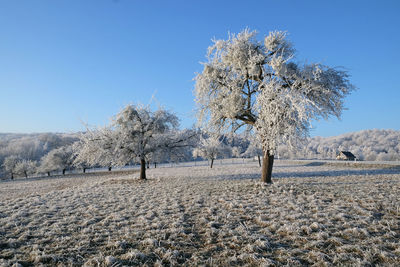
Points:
(312, 214)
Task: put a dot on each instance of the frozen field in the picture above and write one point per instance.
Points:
(314, 213)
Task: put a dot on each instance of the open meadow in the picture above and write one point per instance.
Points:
(314, 213)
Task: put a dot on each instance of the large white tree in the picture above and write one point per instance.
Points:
(259, 84)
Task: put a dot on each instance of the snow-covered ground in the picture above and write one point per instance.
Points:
(326, 214)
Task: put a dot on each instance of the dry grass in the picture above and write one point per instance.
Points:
(311, 215)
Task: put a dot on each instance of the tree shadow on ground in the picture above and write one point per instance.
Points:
(70, 175)
(308, 174)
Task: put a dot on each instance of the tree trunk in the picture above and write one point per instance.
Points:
(63, 171)
(26, 175)
(155, 165)
(266, 171)
(259, 160)
(109, 168)
(142, 169)
(148, 164)
(212, 163)
(84, 170)
(12, 176)
(48, 173)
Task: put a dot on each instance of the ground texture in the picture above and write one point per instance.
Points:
(313, 214)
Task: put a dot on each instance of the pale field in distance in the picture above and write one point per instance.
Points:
(314, 213)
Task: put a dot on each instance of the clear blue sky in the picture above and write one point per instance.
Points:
(67, 61)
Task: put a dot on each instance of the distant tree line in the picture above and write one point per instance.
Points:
(46, 154)
(21, 154)
(370, 145)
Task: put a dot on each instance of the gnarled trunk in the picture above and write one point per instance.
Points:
(212, 162)
(266, 170)
(143, 169)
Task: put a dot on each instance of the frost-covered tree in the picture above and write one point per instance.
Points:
(10, 164)
(57, 159)
(247, 82)
(141, 132)
(156, 157)
(26, 167)
(254, 149)
(210, 148)
(96, 148)
(236, 152)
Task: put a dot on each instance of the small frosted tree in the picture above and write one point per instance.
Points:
(247, 82)
(210, 148)
(57, 159)
(95, 148)
(10, 164)
(158, 156)
(26, 167)
(235, 152)
(254, 149)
